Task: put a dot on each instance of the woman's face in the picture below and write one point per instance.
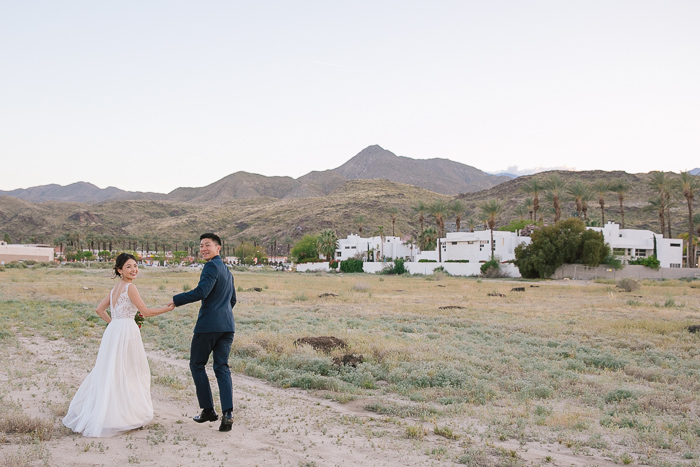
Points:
(130, 269)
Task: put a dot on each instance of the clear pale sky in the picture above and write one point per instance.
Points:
(154, 95)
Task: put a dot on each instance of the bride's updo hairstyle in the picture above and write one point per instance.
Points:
(120, 262)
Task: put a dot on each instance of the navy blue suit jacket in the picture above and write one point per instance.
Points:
(218, 296)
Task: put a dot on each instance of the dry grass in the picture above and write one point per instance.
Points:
(562, 361)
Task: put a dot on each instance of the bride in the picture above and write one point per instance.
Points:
(116, 395)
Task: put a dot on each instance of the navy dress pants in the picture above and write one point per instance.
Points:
(203, 345)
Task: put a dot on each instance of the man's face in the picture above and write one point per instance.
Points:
(208, 248)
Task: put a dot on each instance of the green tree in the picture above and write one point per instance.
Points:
(566, 242)
(534, 187)
(250, 253)
(490, 210)
(6, 238)
(393, 212)
(662, 183)
(439, 209)
(690, 183)
(327, 243)
(555, 187)
(421, 208)
(621, 187)
(456, 208)
(305, 249)
(427, 240)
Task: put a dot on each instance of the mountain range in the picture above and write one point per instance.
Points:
(438, 175)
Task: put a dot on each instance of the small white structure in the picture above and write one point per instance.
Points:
(9, 253)
(629, 244)
(374, 249)
(475, 247)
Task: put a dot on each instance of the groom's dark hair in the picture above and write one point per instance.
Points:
(211, 236)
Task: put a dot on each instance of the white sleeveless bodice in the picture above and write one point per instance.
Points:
(123, 308)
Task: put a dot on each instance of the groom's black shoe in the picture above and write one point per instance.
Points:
(226, 421)
(207, 415)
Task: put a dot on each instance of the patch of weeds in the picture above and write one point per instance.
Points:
(437, 453)
(445, 432)
(626, 459)
(618, 395)
(628, 284)
(186, 287)
(19, 424)
(402, 410)
(632, 302)
(415, 432)
(475, 458)
(302, 297)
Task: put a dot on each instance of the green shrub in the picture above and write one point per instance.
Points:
(650, 262)
(396, 268)
(427, 261)
(351, 265)
(488, 265)
(333, 264)
(566, 242)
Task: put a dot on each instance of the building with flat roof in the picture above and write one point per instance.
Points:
(41, 253)
(629, 244)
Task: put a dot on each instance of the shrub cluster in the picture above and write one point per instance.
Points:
(628, 284)
(566, 242)
(397, 268)
(351, 265)
(650, 262)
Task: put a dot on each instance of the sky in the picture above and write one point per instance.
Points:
(151, 96)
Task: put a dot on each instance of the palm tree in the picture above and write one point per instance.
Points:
(580, 191)
(555, 187)
(359, 220)
(490, 210)
(690, 184)
(533, 187)
(657, 204)
(393, 211)
(327, 243)
(471, 223)
(288, 240)
(527, 204)
(621, 187)
(696, 221)
(439, 210)
(380, 232)
(421, 208)
(662, 183)
(601, 188)
(521, 211)
(457, 209)
(427, 240)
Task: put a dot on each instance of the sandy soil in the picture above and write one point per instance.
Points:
(272, 426)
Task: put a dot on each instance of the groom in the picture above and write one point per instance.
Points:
(213, 332)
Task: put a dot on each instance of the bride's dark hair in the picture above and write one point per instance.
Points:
(120, 262)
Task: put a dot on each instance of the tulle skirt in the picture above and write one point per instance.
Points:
(116, 395)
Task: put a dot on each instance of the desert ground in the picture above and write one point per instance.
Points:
(445, 371)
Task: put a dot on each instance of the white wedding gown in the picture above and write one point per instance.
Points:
(116, 395)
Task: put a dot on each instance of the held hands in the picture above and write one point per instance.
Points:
(170, 306)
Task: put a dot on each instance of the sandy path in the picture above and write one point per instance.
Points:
(272, 426)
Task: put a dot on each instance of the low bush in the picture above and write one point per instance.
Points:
(649, 262)
(351, 265)
(396, 268)
(427, 261)
(628, 284)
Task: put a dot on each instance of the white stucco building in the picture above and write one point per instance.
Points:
(628, 244)
(476, 246)
(9, 253)
(374, 249)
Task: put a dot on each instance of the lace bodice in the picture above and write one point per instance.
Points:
(123, 308)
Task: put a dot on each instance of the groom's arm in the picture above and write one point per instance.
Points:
(233, 295)
(206, 283)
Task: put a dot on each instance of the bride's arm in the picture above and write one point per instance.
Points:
(141, 306)
(101, 309)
